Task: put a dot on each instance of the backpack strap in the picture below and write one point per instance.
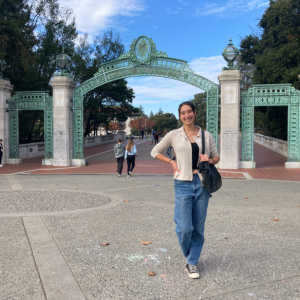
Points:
(203, 142)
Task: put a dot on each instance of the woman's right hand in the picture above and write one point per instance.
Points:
(175, 167)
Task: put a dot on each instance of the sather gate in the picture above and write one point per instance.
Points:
(143, 60)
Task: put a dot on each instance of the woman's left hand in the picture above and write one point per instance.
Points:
(204, 157)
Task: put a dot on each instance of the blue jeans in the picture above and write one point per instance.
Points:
(191, 201)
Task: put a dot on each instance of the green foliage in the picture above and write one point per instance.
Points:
(200, 102)
(108, 102)
(32, 34)
(164, 121)
(275, 53)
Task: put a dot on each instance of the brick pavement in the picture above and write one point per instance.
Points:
(269, 165)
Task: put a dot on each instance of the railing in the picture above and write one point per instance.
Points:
(38, 149)
(276, 145)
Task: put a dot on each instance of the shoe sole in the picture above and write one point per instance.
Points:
(130, 174)
(193, 276)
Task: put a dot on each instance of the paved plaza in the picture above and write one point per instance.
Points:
(53, 227)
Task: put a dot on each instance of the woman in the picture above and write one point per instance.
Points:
(130, 154)
(152, 138)
(191, 198)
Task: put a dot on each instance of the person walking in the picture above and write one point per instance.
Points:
(156, 137)
(152, 137)
(191, 197)
(130, 154)
(1, 152)
(119, 155)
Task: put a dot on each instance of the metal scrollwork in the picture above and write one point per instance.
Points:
(143, 59)
(30, 101)
(271, 95)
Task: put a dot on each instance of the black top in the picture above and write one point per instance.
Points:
(195, 155)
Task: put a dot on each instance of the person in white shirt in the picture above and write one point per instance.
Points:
(130, 154)
(191, 196)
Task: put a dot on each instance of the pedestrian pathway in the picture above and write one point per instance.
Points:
(269, 164)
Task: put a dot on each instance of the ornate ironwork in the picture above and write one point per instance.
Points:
(30, 101)
(271, 95)
(143, 60)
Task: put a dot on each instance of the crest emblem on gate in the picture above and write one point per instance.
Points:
(143, 51)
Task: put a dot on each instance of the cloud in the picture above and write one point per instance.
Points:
(230, 8)
(94, 16)
(156, 90)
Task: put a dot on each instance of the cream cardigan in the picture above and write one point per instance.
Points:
(182, 147)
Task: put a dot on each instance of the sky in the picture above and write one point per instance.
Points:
(195, 31)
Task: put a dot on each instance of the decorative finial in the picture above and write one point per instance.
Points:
(230, 40)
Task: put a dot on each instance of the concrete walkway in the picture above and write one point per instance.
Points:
(53, 228)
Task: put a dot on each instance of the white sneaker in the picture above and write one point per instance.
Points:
(128, 176)
(193, 271)
(1, 165)
(119, 175)
(130, 173)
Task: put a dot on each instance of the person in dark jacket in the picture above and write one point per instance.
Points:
(119, 154)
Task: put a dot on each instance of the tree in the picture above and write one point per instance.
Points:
(151, 114)
(114, 127)
(165, 121)
(112, 100)
(275, 53)
(139, 124)
(200, 102)
(160, 111)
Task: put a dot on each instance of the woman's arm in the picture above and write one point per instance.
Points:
(125, 153)
(172, 162)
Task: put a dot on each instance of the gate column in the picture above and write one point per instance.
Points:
(230, 119)
(63, 87)
(5, 93)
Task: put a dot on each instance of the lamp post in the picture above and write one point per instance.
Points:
(140, 126)
(229, 54)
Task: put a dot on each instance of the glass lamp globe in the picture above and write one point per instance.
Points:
(63, 61)
(3, 65)
(230, 53)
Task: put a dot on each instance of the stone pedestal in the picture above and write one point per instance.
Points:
(292, 165)
(62, 120)
(230, 119)
(5, 93)
(247, 165)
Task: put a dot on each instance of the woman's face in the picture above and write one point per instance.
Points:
(187, 116)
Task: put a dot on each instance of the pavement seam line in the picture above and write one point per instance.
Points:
(63, 256)
(33, 257)
(247, 175)
(58, 280)
(13, 182)
(251, 286)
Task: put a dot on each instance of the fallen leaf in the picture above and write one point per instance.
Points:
(246, 197)
(276, 220)
(72, 218)
(133, 187)
(274, 208)
(104, 244)
(151, 213)
(126, 201)
(56, 184)
(146, 242)
(151, 273)
(155, 193)
(227, 238)
(163, 275)
(298, 205)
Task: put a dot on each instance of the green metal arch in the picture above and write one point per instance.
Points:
(143, 60)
